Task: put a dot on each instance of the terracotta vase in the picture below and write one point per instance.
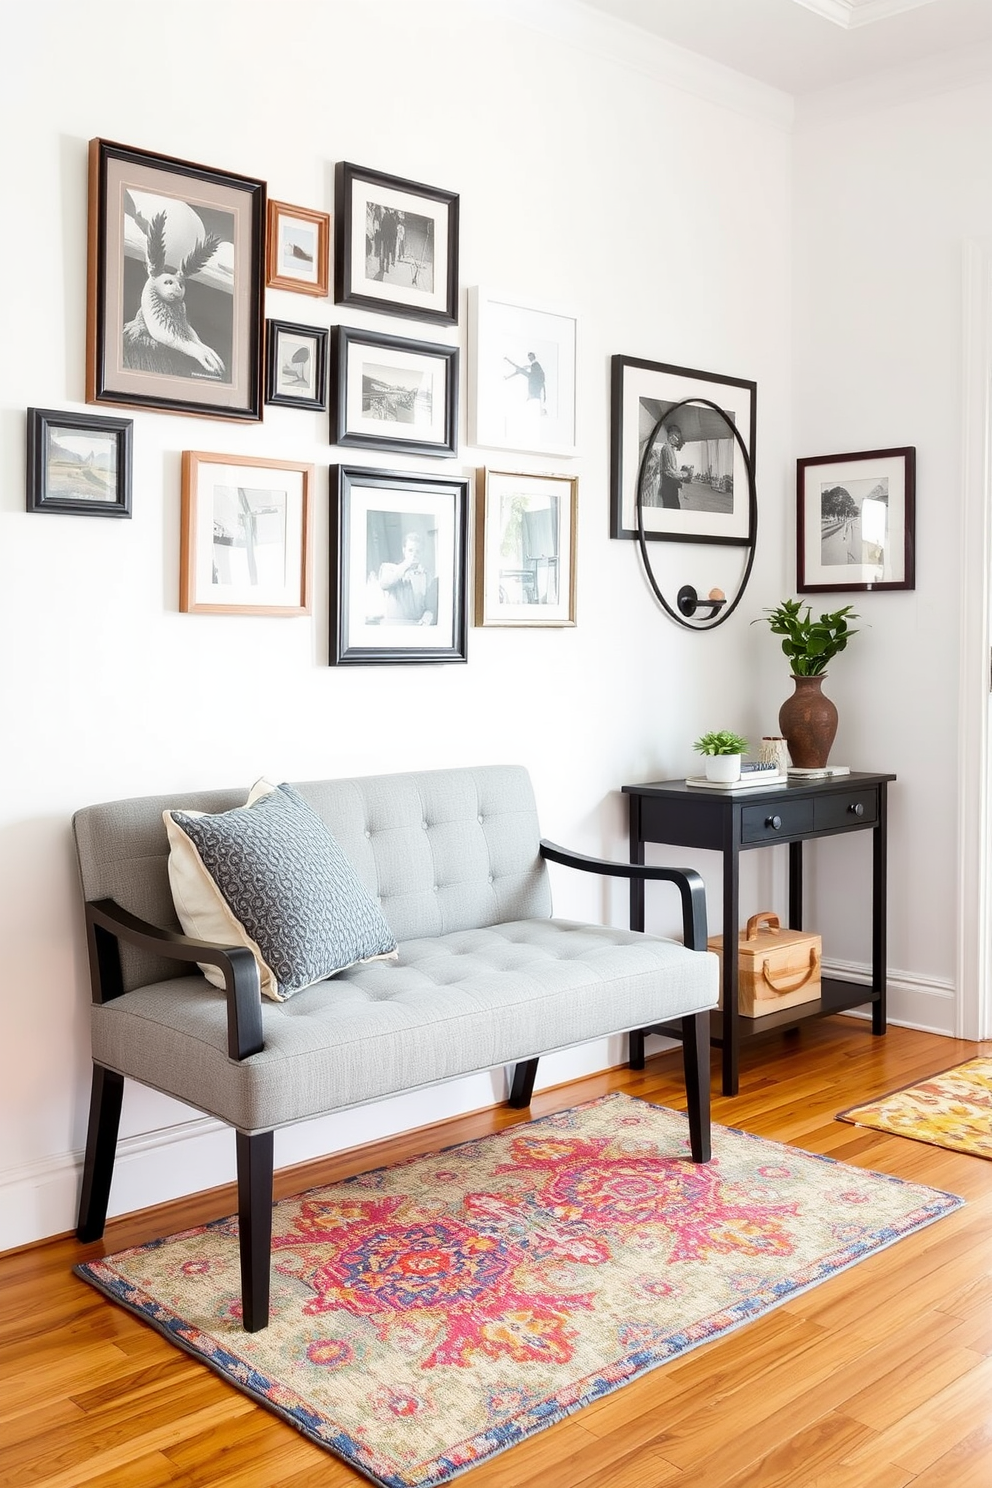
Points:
(808, 721)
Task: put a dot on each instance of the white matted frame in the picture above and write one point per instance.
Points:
(855, 521)
(245, 547)
(525, 548)
(522, 371)
(399, 550)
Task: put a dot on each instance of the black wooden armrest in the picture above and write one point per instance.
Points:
(690, 885)
(107, 922)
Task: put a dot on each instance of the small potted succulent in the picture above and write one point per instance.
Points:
(722, 751)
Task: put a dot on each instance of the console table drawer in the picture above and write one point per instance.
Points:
(845, 809)
(767, 823)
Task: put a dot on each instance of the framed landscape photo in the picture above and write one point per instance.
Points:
(174, 301)
(399, 549)
(78, 463)
(690, 469)
(856, 521)
(394, 394)
(525, 548)
(395, 245)
(297, 249)
(522, 376)
(295, 364)
(245, 541)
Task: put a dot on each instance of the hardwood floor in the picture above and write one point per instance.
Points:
(879, 1378)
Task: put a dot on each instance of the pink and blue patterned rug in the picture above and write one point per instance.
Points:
(429, 1315)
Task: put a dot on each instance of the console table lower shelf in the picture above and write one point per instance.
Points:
(672, 812)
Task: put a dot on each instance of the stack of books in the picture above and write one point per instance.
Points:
(755, 775)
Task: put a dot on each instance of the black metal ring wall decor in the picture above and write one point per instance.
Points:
(687, 601)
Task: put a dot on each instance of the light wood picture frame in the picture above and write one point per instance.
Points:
(297, 249)
(525, 534)
(245, 536)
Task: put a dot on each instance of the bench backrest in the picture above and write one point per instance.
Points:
(442, 850)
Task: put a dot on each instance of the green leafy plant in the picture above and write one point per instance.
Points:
(723, 741)
(810, 644)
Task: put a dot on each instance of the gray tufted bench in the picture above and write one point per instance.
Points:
(485, 976)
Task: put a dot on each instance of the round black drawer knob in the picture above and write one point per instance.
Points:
(856, 808)
(775, 822)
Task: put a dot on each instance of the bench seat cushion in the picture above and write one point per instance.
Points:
(449, 1005)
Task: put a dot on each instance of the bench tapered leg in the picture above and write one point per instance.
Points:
(635, 1048)
(522, 1088)
(255, 1226)
(106, 1094)
(696, 1062)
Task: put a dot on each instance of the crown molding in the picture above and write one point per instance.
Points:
(592, 31)
(851, 13)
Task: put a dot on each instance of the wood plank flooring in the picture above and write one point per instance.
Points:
(879, 1378)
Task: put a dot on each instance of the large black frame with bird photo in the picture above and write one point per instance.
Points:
(175, 284)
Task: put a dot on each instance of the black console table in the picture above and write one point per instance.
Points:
(731, 822)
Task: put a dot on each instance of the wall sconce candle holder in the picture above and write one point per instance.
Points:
(688, 604)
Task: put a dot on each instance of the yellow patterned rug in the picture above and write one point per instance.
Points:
(952, 1109)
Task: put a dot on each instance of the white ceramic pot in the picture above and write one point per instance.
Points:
(723, 768)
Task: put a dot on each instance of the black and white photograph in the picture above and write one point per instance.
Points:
(78, 463)
(297, 249)
(396, 245)
(295, 364)
(855, 527)
(525, 532)
(522, 375)
(393, 393)
(174, 309)
(245, 537)
(676, 439)
(399, 554)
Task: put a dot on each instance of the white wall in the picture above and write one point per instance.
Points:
(889, 184)
(649, 195)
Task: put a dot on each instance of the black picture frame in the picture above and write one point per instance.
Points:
(175, 285)
(78, 463)
(398, 563)
(295, 365)
(856, 521)
(415, 274)
(718, 507)
(402, 396)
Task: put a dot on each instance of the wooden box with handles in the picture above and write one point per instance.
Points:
(777, 968)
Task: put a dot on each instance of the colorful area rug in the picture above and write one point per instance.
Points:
(952, 1109)
(429, 1315)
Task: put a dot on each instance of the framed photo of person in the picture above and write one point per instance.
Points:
(295, 364)
(525, 531)
(78, 463)
(297, 249)
(522, 376)
(394, 394)
(689, 468)
(174, 302)
(245, 536)
(856, 521)
(399, 548)
(395, 245)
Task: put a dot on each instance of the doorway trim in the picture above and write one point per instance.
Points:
(974, 931)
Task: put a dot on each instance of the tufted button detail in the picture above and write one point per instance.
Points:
(435, 888)
(424, 825)
(481, 820)
(490, 878)
(368, 834)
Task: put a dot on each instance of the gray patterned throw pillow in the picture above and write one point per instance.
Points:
(283, 882)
